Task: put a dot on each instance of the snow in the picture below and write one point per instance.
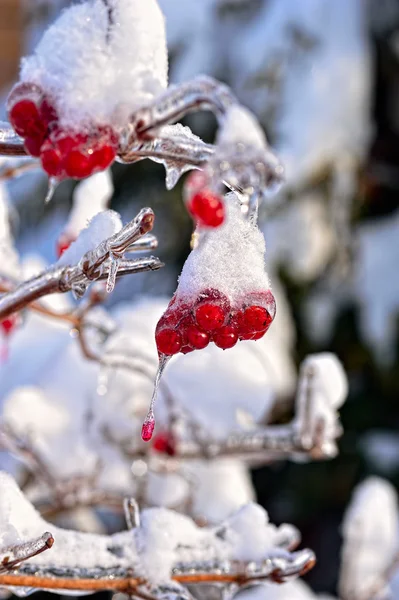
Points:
(326, 388)
(8, 255)
(163, 538)
(82, 67)
(228, 480)
(241, 126)
(293, 590)
(90, 196)
(370, 532)
(102, 226)
(376, 286)
(229, 259)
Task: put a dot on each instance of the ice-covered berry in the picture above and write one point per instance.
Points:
(207, 208)
(168, 341)
(164, 443)
(9, 324)
(226, 337)
(209, 316)
(63, 243)
(196, 338)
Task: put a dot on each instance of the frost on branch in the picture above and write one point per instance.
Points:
(245, 547)
(370, 532)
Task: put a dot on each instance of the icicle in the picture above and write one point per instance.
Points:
(113, 271)
(52, 186)
(174, 170)
(149, 422)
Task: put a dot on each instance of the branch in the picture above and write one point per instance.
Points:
(105, 262)
(12, 557)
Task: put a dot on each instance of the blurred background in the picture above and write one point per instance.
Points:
(323, 78)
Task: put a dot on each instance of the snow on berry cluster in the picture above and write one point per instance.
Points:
(93, 67)
(223, 294)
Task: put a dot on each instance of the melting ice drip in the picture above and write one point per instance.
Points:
(149, 422)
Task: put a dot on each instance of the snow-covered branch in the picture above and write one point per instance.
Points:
(85, 262)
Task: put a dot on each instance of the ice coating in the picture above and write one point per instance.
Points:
(102, 226)
(240, 125)
(230, 259)
(96, 71)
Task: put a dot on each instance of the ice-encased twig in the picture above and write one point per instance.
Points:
(12, 557)
(95, 265)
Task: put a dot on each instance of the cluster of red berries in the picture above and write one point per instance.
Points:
(206, 207)
(63, 154)
(187, 327)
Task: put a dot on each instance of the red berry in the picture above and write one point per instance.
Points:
(9, 324)
(164, 443)
(186, 349)
(255, 318)
(226, 337)
(168, 341)
(210, 316)
(78, 164)
(259, 334)
(103, 157)
(51, 159)
(148, 428)
(63, 243)
(208, 208)
(33, 145)
(25, 118)
(196, 338)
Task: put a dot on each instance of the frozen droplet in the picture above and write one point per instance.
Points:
(52, 186)
(149, 422)
(148, 427)
(112, 273)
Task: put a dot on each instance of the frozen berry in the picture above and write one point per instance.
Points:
(186, 349)
(33, 145)
(63, 243)
(168, 341)
(9, 324)
(255, 318)
(148, 428)
(196, 338)
(25, 118)
(226, 337)
(164, 443)
(51, 159)
(48, 113)
(207, 208)
(209, 316)
(78, 164)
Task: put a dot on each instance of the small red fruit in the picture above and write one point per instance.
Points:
(226, 337)
(255, 318)
(210, 316)
(207, 208)
(168, 341)
(164, 443)
(196, 338)
(9, 324)
(25, 118)
(63, 243)
(78, 164)
(51, 159)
